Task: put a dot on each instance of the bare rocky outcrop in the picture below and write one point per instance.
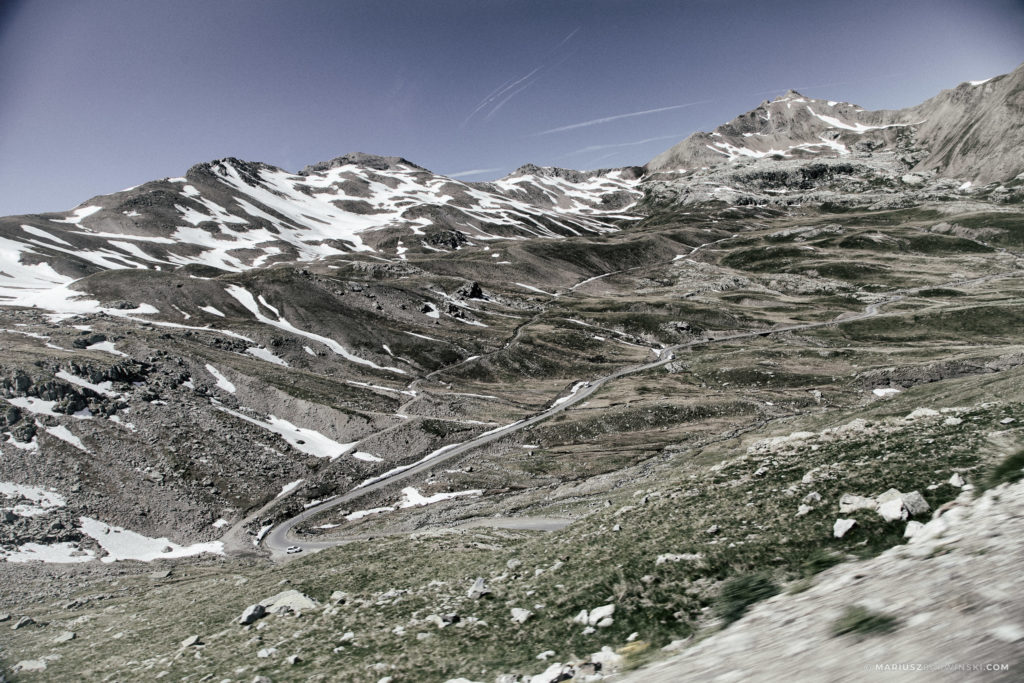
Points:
(953, 595)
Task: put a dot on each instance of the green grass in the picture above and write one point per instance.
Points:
(1009, 470)
(857, 620)
(740, 592)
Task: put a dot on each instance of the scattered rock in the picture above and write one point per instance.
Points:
(23, 622)
(956, 480)
(293, 659)
(892, 510)
(338, 597)
(192, 641)
(851, 503)
(803, 510)
(64, 636)
(679, 557)
(842, 526)
(251, 614)
(289, 601)
(478, 589)
(520, 615)
(599, 614)
(31, 665)
(513, 564)
(712, 530)
(812, 498)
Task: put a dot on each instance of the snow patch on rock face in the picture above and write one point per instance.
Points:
(305, 440)
(56, 553)
(289, 487)
(264, 354)
(413, 498)
(41, 500)
(222, 381)
(65, 434)
(244, 297)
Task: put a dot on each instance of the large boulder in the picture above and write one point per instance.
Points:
(289, 601)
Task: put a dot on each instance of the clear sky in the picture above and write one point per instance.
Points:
(98, 95)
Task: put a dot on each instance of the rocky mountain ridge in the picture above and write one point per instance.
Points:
(969, 133)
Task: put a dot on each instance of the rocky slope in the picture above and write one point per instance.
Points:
(946, 606)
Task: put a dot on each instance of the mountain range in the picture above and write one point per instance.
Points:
(366, 422)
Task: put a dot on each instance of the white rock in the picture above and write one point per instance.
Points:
(605, 623)
(1006, 421)
(841, 526)
(582, 618)
(956, 480)
(803, 510)
(608, 659)
(289, 601)
(812, 498)
(952, 421)
(851, 503)
(913, 528)
(520, 615)
(543, 656)
(266, 652)
(892, 510)
(599, 613)
(679, 557)
(251, 614)
(915, 503)
(31, 665)
(1008, 633)
(191, 641)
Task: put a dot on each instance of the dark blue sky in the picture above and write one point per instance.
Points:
(97, 95)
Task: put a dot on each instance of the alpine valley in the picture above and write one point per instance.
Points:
(364, 422)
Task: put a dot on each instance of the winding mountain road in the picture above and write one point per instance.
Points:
(282, 536)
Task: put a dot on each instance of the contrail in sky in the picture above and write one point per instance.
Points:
(606, 119)
(598, 148)
(473, 171)
(509, 89)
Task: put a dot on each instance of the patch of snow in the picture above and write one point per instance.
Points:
(43, 500)
(244, 297)
(359, 514)
(572, 392)
(107, 347)
(221, 523)
(413, 498)
(533, 289)
(885, 391)
(104, 388)
(305, 440)
(41, 407)
(366, 457)
(222, 381)
(431, 311)
(78, 215)
(212, 310)
(64, 434)
(289, 487)
(264, 354)
(56, 553)
(122, 544)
